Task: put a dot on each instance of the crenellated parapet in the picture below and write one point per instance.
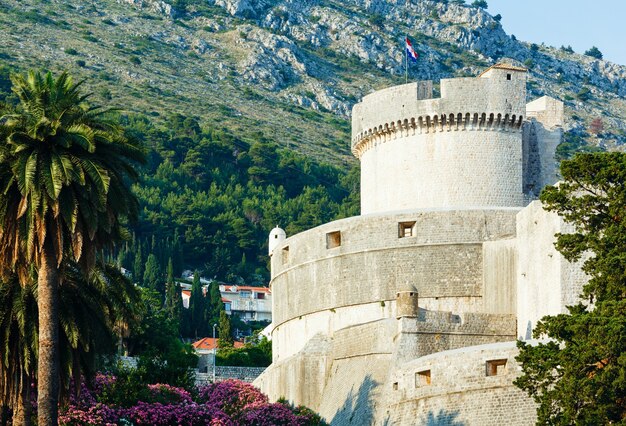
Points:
(426, 124)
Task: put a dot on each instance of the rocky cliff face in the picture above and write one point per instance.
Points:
(317, 56)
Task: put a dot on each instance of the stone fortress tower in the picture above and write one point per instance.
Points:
(408, 314)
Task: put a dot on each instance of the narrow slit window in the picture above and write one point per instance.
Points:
(395, 386)
(422, 378)
(508, 77)
(406, 229)
(333, 239)
(496, 367)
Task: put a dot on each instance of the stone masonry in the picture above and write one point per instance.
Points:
(408, 314)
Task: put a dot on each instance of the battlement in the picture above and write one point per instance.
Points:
(498, 91)
(461, 150)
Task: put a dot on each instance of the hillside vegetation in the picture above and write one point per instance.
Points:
(244, 105)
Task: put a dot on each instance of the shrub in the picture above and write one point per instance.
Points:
(71, 51)
(480, 4)
(594, 52)
(270, 415)
(231, 396)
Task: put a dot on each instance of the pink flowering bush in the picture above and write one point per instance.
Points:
(167, 394)
(275, 414)
(229, 403)
(96, 415)
(231, 396)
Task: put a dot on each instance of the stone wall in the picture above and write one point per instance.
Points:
(541, 136)
(457, 388)
(547, 283)
(500, 276)
(319, 290)
(246, 374)
(461, 150)
(451, 169)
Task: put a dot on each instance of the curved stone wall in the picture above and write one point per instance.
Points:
(459, 169)
(312, 284)
(458, 151)
(472, 386)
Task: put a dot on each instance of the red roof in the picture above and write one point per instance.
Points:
(238, 288)
(209, 343)
(187, 293)
(225, 300)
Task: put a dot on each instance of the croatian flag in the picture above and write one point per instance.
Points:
(411, 53)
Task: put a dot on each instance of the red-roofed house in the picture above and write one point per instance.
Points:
(205, 348)
(248, 303)
(186, 294)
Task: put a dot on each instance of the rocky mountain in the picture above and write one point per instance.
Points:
(292, 69)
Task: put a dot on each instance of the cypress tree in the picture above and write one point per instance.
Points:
(223, 328)
(152, 275)
(138, 265)
(197, 308)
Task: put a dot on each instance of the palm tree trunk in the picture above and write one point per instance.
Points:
(48, 366)
(22, 412)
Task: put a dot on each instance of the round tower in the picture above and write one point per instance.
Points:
(407, 302)
(462, 150)
(277, 236)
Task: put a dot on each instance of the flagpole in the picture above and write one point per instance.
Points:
(406, 61)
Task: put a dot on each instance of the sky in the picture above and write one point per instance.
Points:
(579, 23)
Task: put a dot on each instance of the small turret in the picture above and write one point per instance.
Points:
(277, 236)
(407, 305)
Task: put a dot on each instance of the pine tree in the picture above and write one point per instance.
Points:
(578, 376)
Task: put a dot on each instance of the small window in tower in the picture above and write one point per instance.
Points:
(285, 254)
(395, 386)
(333, 239)
(406, 229)
(422, 378)
(495, 367)
(508, 77)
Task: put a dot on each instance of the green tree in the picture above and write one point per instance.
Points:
(173, 297)
(152, 275)
(594, 52)
(579, 375)
(138, 264)
(64, 170)
(94, 309)
(482, 4)
(216, 306)
(223, 330)
(197, 308)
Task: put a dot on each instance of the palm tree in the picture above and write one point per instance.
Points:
(18, 334)
(64, 171)
(92, 307)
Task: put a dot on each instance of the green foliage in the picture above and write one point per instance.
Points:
(584, 94)
(594, 52)
(212, 196)
(497, 17)
(567, 49)
(573, 143)
(256, 353)
(163, 358)
(197, 307)
(480, 4)
(152, 277)
(579, 375)
(224, 331)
